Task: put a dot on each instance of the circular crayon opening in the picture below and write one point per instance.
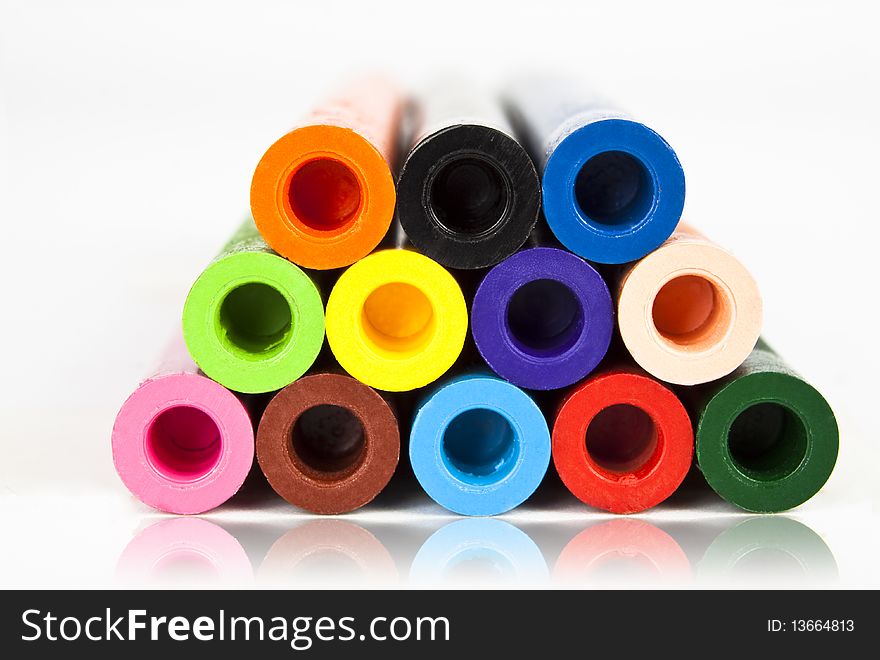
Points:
(183, 443)
(545, 318)
(398, 319)
(767, 441)
(692, 312)
(324, 194)
(468, 195)
(615, 188)
(328, 438)
(255, 321)
(623, 438)
(480, 445)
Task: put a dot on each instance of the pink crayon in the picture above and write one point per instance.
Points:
(181, 442)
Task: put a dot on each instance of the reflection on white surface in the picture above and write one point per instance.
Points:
(622, 552)
(327, 553)
(478, 552)
(184, 552)
(769, 549)
(760, 551)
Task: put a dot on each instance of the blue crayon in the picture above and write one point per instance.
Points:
(479, 446)
(613, 188)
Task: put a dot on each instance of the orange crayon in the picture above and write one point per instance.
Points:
(323, 195)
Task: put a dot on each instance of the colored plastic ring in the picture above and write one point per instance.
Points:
(622, 442)
(396, 320)
(253, 321)
(323, 196)
(479, 446)
(183, 443)
(634, 158)
(784, 438)
(328, 443)
(689, 312)
(468, 196)
(543, 318)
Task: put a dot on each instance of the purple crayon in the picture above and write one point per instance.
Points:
(542, 318)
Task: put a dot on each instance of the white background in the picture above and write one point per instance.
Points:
(128, 136)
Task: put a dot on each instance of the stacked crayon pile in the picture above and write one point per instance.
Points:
(604, 334)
